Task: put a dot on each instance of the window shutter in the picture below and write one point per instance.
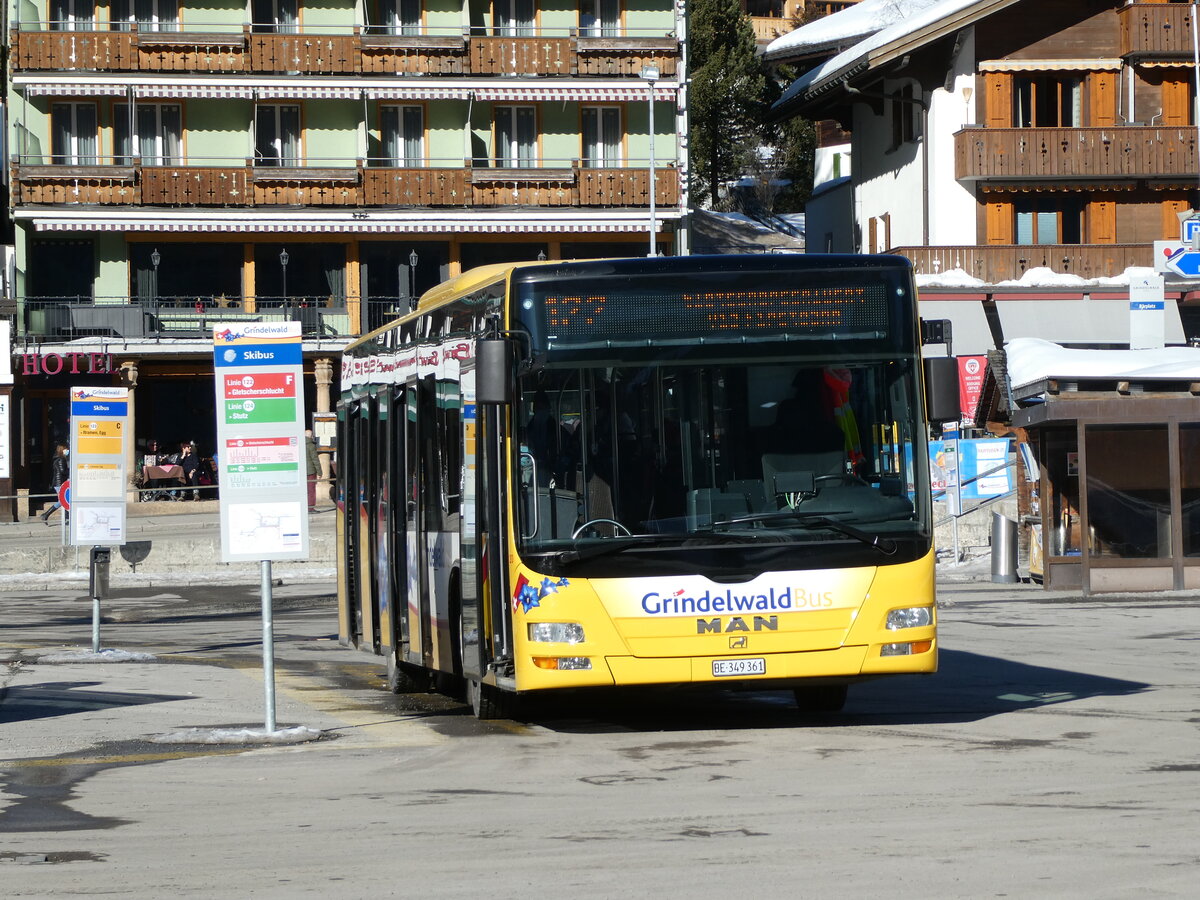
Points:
(998, 87)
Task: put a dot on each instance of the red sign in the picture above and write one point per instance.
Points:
(260, 386)
(970, 383)
(64, 494)
(67, 363)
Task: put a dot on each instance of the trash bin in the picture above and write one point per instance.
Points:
(98, 568)
(1004, 549)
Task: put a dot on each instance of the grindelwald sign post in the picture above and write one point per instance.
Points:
(260, 444)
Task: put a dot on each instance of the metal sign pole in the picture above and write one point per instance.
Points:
(268, 645)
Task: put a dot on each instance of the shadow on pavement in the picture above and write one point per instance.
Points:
(968, 687)
(62, 698)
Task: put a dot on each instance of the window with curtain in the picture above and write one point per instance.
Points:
(602, 136)
(279, 16)
(148, 15)
(155, 138)
(277, 135)
(515, 18)
(600, 18)
(1048, 101)
(395, 17)
(516, 137)
(73, 134)
(402, 130)
(72, 15)
(1048, 219)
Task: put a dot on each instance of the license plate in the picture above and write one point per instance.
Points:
(726, 667)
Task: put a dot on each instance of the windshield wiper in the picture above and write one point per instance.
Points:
(816, 520)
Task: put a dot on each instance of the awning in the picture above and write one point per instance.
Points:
(1092, 321)
(970, 335)
(1050, 65)
(589, 94)
(80, 89)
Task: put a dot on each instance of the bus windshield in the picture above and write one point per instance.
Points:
(662, 464)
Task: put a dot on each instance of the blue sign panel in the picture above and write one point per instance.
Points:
(105, 409)
(259, 355)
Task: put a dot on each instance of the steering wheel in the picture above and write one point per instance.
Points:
(590, 522)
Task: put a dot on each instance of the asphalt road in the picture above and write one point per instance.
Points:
(1053, 755)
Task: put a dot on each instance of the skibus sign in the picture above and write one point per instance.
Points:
(260, 441)
(99, 439)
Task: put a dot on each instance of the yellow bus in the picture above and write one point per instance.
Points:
(682, 471)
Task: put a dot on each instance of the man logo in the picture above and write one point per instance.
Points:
(736, 624)
(739, 643)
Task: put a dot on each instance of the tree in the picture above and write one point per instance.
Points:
(728, 96)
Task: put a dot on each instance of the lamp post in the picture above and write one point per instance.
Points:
(650, 73)
(155, 259)
(412, 279)
(283, 261)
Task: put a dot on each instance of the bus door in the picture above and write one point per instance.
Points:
(473, 572)
(381, 514)
(368, 500)
(394, 625)
(417, 437)
(487, 642)
(349, 610)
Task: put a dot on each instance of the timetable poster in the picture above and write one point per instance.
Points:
(99, 439)
(258, 368)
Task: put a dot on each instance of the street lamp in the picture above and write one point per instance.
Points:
(155, 259)
(650, 73)
(412, 279)
(283, 261)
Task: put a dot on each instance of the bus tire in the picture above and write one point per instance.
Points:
(489, 702)
(403, 678)
(821, 698)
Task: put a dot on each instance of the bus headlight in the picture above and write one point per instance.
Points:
(556, 632)
(910, 617)
(905, 649)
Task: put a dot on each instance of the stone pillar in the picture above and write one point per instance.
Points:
(323, 373)
(129, 377)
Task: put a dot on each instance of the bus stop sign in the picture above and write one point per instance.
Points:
(64, 494)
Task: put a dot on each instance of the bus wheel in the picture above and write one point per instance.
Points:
(821, 698)
(488, 702)
(405, 679)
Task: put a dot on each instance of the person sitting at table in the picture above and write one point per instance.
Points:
(150, 458)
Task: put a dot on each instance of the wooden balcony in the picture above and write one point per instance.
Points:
(1119, 151)
(521, 56)
(351, 186)
(1156, 30)
(344, 53)
(992, 263)
(308, 54)
(767, 28)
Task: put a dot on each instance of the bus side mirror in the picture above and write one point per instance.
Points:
(941, 389)
(493, 371)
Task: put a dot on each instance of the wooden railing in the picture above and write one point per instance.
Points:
(357, 186)
(1156, 29)
(348, 52)
(1118, 151)
(992, 263)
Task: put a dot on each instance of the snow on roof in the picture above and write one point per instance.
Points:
(844, 27)
(1032, 359)
(860, 52)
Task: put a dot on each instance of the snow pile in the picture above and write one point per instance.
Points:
(298, 734)
(1133, 272)
(949, 278)
(1040, 276)
(1032, 359)
(90, 656)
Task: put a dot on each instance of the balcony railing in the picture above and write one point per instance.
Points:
(1118, 151)
(353, 183)
(339, 50)
(992, 263)
(57, 319)
(1156, 30)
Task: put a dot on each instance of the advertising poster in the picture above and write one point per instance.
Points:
(260, 441)
(970, 384)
